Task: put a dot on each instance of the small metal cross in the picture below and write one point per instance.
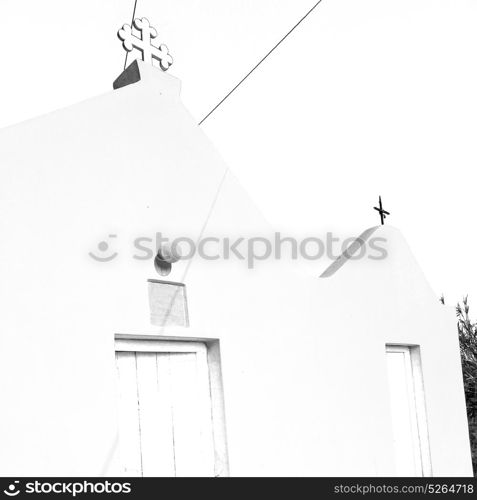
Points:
(381, 211)
(149, 51)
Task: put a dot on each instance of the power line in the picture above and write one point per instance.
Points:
(260, 62)
(132, 20)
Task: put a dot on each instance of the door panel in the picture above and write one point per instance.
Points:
(165, 414)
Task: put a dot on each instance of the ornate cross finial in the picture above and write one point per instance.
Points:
(149, 51)
(382, 212)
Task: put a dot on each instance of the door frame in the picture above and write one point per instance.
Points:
(210, 348)
(417, 400)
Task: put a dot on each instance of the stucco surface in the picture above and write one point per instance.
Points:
(302, 357)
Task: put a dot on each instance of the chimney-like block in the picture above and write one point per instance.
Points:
(139, 71)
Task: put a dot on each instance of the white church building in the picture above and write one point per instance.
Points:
(111, 365)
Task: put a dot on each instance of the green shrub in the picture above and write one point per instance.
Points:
(468, 352)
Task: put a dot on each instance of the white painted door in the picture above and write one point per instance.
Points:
(409, 423)
(165, 417)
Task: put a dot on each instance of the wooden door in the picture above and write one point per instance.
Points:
(165, 413)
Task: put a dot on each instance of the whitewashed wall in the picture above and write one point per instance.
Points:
(302, 357)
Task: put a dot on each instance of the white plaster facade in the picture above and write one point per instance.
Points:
(303, 357)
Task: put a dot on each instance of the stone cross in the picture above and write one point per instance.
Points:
(149, 51)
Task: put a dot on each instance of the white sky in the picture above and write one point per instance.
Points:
(366, 97)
